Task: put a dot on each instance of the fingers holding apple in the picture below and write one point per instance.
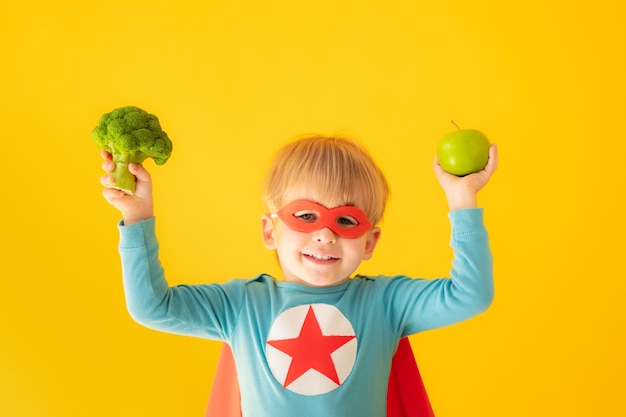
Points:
(492, 163)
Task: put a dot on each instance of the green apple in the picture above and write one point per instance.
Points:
(463, 152)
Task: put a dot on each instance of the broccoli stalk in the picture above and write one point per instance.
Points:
(131, 135)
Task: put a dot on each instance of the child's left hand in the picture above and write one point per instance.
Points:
(461, 191)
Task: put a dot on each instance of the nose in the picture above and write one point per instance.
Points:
(325, 235)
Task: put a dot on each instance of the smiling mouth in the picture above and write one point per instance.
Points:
(320, 257)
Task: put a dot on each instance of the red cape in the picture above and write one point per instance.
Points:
(406, 395)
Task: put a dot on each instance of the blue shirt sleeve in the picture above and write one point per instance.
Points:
(206, 311)
(415, 305)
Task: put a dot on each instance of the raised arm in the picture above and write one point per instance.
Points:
(469, 290)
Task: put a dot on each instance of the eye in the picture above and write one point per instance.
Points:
(347, 221)
(306, 216)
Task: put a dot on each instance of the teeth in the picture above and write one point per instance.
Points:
(321, 257)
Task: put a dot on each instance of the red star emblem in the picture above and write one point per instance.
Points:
(311, 350)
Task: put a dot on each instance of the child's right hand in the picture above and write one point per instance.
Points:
(134, 208)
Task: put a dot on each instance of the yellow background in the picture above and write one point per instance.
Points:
(232, 81)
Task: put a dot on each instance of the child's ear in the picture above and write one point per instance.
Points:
(370, 244)
(267, 232)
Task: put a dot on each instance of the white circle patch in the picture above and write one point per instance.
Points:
(311, 349)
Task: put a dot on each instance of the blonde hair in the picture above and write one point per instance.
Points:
(336, 170)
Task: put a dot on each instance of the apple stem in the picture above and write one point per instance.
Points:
(455, 125)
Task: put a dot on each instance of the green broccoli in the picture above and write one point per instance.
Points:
(131, 135)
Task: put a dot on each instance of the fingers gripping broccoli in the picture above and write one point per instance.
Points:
(131, 135)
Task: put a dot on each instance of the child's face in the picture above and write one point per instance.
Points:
(317, 246)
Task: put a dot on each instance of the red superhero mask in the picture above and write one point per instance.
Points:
(307, 216)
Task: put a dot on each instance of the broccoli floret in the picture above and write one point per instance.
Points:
(131, 135)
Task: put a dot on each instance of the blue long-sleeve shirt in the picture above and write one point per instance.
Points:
(310, 351)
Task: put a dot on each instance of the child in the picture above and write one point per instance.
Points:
(317, 342)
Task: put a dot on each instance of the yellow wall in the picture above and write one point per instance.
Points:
(233, 80)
